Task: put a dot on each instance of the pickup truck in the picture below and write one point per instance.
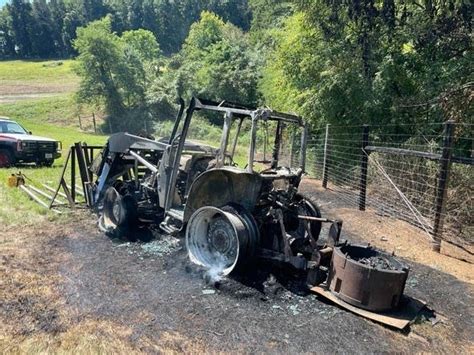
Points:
(17, 145)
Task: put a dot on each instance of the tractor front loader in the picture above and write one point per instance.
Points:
(231, 214)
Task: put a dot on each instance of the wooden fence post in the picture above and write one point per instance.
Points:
(80, 121)
(325, 159)
(363, 168)
(73, 174)
(93, 121)
(443, 179)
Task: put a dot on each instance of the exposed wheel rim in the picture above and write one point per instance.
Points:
(217, 240)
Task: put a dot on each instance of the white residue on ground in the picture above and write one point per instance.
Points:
(163, 246)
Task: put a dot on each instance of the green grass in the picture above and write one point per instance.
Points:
(58, 109)
(38, 71)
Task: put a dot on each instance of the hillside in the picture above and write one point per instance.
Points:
(24, 80)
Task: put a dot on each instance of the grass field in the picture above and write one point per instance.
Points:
(39, 71)
(24, 80)
(52, 110)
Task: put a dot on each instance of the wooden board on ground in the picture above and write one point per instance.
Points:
(399, 318)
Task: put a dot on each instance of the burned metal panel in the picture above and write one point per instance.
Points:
(123, 142)
(219, 187)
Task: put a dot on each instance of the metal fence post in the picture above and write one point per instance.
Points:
(325, 158)
(292, 148)
(443, 179)
(363, 168)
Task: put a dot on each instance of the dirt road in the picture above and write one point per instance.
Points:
(68, 287)
(16, 91)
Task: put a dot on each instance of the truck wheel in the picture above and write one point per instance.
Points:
(221, 240)
(6, 158)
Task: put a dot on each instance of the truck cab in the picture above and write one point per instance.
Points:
(18, 145)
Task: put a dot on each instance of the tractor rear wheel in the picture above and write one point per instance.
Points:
(221, 240)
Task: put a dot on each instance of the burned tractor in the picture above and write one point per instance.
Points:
(231, 214)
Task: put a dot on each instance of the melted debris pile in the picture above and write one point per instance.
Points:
(163, 246)
(378, 262)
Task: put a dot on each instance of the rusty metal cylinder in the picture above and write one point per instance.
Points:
(367, 278)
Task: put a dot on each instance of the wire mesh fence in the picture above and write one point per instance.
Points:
(401, 171)
(90, 123)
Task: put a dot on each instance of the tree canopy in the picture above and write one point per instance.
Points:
(46, 28)
(350, 62)
(372, 61)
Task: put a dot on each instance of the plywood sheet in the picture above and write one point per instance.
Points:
(399, 318)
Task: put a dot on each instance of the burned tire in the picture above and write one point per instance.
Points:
(306, 207)
(6, 158)
(220, 240)
(118, 217)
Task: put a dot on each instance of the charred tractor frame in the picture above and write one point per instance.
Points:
(230, 214)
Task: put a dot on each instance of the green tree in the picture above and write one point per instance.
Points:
(72, 20)
(236, 12)
(7, 44)
(20, 26)
(220, 62)
(94, 9)
(369, 61)
(135, 14)
(172, 29)
(58, 12)
(101, 67)
(113, 72)
(268, 15)
(42, 30)
(143, 42)
(207, 31)
(150, 20)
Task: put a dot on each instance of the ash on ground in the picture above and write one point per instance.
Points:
(165, 245)
(377, 262)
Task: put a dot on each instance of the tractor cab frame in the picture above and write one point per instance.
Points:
(231, 214)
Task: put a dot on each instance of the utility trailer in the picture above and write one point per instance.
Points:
(230, 214)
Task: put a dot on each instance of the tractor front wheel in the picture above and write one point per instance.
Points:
(118, 217)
